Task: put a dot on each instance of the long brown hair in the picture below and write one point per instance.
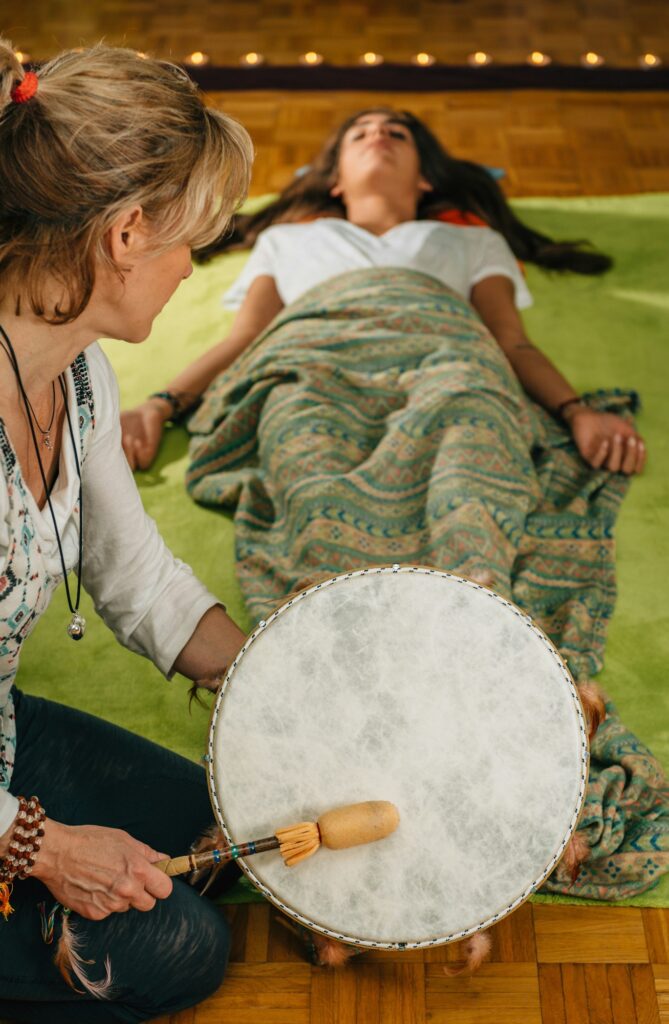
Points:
(456, 184)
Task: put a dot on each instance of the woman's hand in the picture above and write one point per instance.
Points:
(606, 441)
(99, 871)
(142, 430)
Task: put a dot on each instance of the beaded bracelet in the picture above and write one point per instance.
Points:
(25, 840)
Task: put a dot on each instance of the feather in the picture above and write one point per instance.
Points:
(330, 952)
(69, 962)
(477, 949)
(594, 708)
(576, 852)
(212, 839)
(321, 950)
(303, 584)
(5, 894)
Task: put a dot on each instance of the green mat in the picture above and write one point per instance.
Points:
(602, 332)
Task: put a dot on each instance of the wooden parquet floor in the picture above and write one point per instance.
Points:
(550, 964)
(549, 143)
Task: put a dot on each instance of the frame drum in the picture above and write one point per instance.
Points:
(416, 686)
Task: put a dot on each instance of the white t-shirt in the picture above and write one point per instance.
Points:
(150, 599)
(300, 256)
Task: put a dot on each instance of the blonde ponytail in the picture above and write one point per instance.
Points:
(11, 72)
(105, 131)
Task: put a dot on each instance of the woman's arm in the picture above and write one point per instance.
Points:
(211, 649)
(95, 871)
(603, 439)
(142, 427)
(150, 599)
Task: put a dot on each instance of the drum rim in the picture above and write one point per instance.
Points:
(405, 569)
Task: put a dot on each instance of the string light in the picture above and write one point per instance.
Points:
(423, 60)
(592, 60)
(197, 59)
(311, 59)
(252, 59)
(479, 59)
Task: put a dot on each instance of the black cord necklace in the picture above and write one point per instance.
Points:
(45, 432)
(77, 625)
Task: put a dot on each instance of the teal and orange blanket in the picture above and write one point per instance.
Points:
(377, 421)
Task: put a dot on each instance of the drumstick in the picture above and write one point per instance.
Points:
(337, 829)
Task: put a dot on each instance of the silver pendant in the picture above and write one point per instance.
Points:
(77, 626)
(47, 441)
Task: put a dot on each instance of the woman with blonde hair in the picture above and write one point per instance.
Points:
(111, 170)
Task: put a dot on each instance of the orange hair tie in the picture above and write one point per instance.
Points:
(26, 89)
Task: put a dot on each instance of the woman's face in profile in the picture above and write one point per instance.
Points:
(128, 306)
(378, 148)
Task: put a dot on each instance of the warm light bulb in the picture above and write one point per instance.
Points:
(197, 59)
(650, 60)
(371, 59)
(479, 59)
(423, 60)
(591, 59)
(144, 56)
(311, 59)
(252, 59)
(538, 59)
(21, 56)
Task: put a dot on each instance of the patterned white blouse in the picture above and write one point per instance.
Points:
(150, 599)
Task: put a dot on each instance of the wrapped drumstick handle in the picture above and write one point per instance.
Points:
(337, 829)
(210, 858)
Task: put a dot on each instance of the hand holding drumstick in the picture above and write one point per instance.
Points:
(337, 829)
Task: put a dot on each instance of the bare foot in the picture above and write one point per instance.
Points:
(484, 577)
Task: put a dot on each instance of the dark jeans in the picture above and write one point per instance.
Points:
(86, 771)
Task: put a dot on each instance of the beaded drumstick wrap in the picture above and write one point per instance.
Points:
(521, 896)
(196, 861)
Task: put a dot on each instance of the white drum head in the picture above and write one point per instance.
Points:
(419, 687)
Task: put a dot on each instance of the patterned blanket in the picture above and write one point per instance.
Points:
(375, 421)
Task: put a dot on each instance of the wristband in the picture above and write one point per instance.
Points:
(559, 412)
(181, 402)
